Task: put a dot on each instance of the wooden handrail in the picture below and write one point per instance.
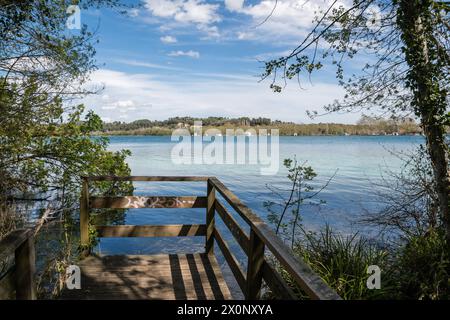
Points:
(146, 178)
(174, 230)
(210, 222)
(254, 244)
(12, 241)
(241, 237)
(20, 242)
(135, 202)
(233, 263)
(303, 275)
(272, 278)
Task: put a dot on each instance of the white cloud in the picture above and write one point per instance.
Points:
(211, 31)
(163, 8)
(271, 55)
(135, 63)
(290, 19)
(125, 104)
(133, 12)
(180, 53)
(205, 96)
(168, 39)
(195, 11)
(121, 105)
(234, 5)
(245, 35)
(185, 11)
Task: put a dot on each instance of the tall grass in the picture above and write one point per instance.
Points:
(422, 267)
(341, 262)
(417, 269)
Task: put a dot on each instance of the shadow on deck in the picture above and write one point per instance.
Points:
(172, 277)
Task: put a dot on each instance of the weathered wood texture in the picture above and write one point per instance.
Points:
(233, 263)
(25, 270)
(173, 277)
(261, 237)
(303, 275)
(241, 237)
(84, 216)
(210, 218)
(8, 284)
(147, 178)
(19, 243)
(12, 241)
(276, 283)
(175, 230)
(254, 267)
(135, 202)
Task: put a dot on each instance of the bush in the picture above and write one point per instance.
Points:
(417, 266)
(341, 261)
(423, 267)
(418, 269)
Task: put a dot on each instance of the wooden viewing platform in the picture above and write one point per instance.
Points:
(174, 276)
(161, 276)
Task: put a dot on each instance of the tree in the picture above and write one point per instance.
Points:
(45, 134)
(408, 198)
(285, 213)
(407, 45)
(43, 152)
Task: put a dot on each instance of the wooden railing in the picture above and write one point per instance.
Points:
(255, 244)
(130, 202)
(20, 276)
(261, 237)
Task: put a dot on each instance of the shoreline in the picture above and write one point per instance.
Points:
(109, 134)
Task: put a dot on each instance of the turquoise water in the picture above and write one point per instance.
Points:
(359, 161)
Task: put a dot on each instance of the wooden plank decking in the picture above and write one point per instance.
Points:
(162, 276)
(182, 276)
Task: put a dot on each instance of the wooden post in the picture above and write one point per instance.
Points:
(84, 217)
(254, 267)
(210, 211)
(25, 270)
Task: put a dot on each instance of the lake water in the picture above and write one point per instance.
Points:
(359, 161)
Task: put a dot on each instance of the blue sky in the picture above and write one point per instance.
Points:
(202, 58)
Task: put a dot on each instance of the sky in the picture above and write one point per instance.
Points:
(204, 58)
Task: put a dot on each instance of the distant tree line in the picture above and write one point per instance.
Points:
(182, 121)
(367, 125)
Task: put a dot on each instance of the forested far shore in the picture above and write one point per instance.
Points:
(365, 126)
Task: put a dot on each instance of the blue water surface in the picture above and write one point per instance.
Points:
(356, 161)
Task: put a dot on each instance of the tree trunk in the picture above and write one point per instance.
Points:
(429, 95)
(439, 159)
